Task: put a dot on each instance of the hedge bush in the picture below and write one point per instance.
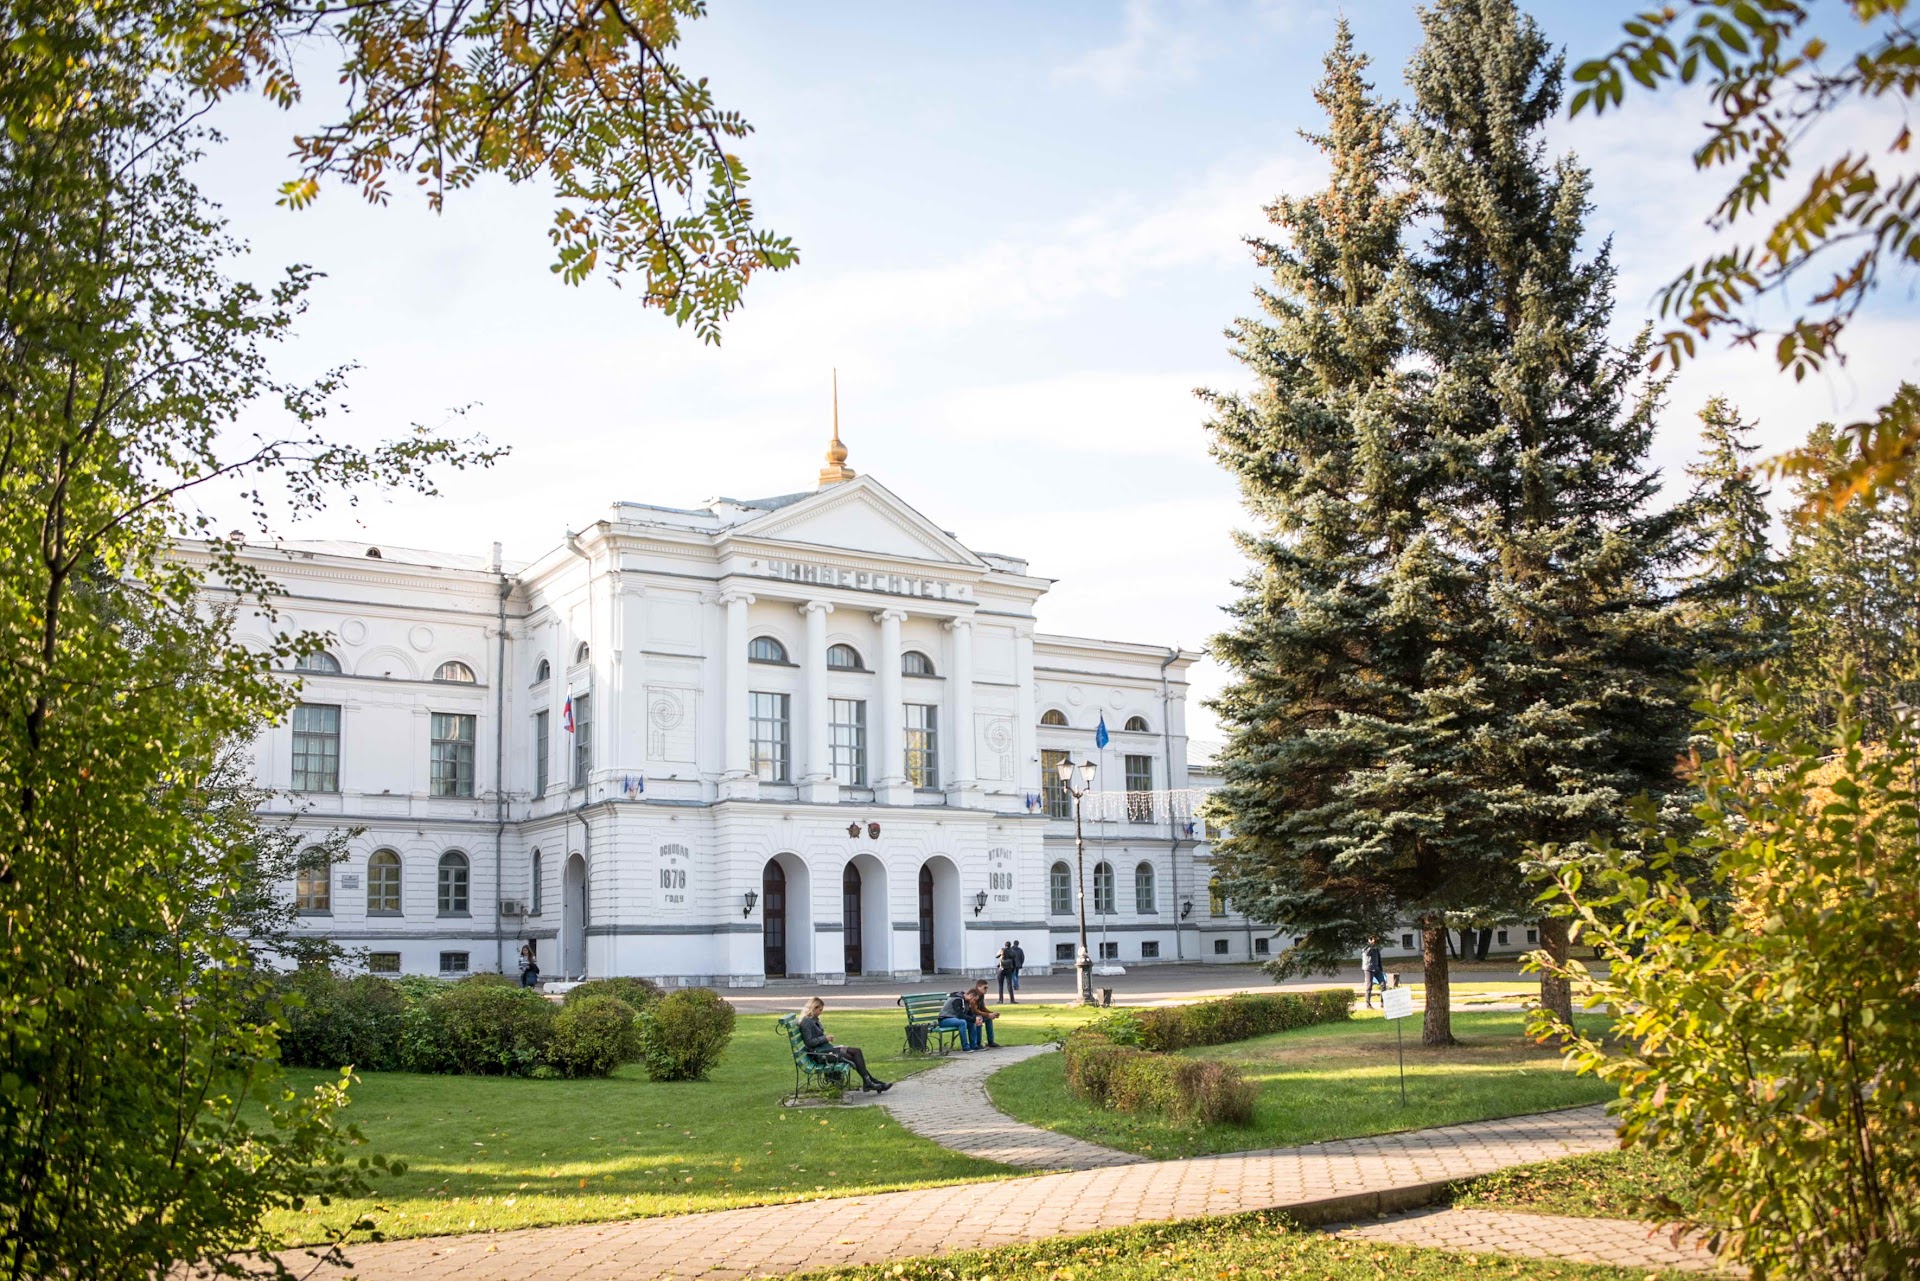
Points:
(1124, 1079)
(1237, 1018)
(638, 993)
(485, 1029)
(593, 1036)
(684, 1033)
(333, 1022)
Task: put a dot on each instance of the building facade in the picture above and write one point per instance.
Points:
(809, 736)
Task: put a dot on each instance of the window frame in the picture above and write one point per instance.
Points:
(1103, 903)
(319, 663)
(1139, 799)
(465, 965)
(582, 654)
(784, 659)
(454, 893)
(375, 963)
(1216, 897)
(921, 745)
(542, 672)
(1054, 718)
(839, 648)
(536, 889)
(1137, 725)
(926, 663)
(542, 752)
(304, 741)
(1149, 949)
(582, 755)
(847, 741)
(397, 897)
(455, 672)
(1060, 889)
(313, 890)
(770, 759)
(452, 759)
(1146, 889)
(1058, 801)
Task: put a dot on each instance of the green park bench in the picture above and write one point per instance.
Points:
(924, 1033)
(811, 1071)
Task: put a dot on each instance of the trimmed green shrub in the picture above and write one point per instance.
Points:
(1128, 1080)
(684, 1033)
(486, 978)
(1121, 1027)
(483, 1029)
(594, 1036)
(1238, 1018)
(638, 993)
(334, 1022)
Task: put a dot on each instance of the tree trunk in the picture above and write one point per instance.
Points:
(1556, 994)
(1438, 1026)
(1485, 942)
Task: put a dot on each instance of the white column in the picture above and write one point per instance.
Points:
(738, 777)
(886, 720)
(817, 779)
(961, 780)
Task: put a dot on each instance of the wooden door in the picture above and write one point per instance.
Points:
(850, 916)
(926, 919)
(773, 920)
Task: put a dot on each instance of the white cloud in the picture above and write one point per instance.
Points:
(1148, 50)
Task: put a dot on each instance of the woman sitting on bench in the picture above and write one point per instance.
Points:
(820, 1045)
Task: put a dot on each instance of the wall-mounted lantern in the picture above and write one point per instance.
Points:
(980, 902)
(1185, 908)
(752, 897)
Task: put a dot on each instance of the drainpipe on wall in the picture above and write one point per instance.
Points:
(500, 761)
(1173, 821)
(586, 792)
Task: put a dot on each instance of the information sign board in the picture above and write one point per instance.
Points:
(1397, 1003)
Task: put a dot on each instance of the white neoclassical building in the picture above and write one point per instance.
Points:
(808, 736)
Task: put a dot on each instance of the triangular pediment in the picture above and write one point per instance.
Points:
(860, 515)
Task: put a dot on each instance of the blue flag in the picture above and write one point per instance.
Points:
(1100, 738)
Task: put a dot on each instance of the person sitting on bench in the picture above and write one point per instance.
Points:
(820, 1045)
(955, 1016)
(977, 1005)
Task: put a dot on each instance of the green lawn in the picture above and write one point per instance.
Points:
(486, 1152)
(1602, 1185)
(1334, 1081)
(1241, 1247)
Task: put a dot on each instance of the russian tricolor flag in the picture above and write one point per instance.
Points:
(566, 714)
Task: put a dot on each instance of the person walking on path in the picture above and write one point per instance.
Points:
(1019, 963)
(955, 1016)
(1374, 969)
(977, 1008)
(820, 1045)
(1007, 969)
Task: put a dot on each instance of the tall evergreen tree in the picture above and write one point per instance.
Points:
(1734, 587)
(1578, 683)
(1340, 783)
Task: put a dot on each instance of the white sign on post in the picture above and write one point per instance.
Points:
(1397, 1003)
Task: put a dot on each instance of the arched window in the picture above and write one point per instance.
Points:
(320, 662)
(543, 671)
(1137, 724)
(581, 654)
(313, 889)
(914, 663)
(765, 649)
(1053, 716)
(454, 672)
(1143, 890)
(1103, 888)
(844, 658)
(383, 884)
(1216, 900)
(534, 899)
(453, 883)
(1060, 890)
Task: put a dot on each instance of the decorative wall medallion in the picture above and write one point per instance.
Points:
(996, 736)
(421, 638)
(670, 727)
(1115, 699)
(1075, 695)
(353, 632)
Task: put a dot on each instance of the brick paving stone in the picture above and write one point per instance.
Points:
(769, 1241)
(1619, 1242)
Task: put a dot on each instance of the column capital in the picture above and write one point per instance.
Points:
(732, 595)
(890, 615)
(958, 624)
(816, 606)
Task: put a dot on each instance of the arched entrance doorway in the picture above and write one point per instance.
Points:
(926, 920)
(573, 919)
(868, 929)
(941, 940)
(773, 919)
(850, 917)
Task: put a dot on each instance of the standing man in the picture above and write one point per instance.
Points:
(1004, 960)
(1374, 969)
(1019, 963)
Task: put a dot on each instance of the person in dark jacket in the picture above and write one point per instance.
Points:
(821, 1045)
(977, 1008)
(1004, 962)
(1374, 969)
(955, 1016)
(1019, 963)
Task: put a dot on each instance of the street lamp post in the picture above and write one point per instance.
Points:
(1085, 964)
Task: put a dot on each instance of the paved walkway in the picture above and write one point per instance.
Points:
(949, 1105)
(1321, 1183)
(1619, 1242)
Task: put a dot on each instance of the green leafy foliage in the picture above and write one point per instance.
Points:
(637, 992)
(593, 1037)
(1203, 1091)
(1237, 1018)
(684, 1034)
(488, 1029)
(332, 1022)
(1633, 1183)
(1770, 1044)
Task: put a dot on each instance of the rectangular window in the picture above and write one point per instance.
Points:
(316, 748)
(1260, 946)
(582, 738)
(453, 962)
(1501, 938)
(1060, 890)
(313, 889)
(769, 724)
(1533, 936)
(1150, 950)
(1139, 789)
(1059, 804)
(1219, 947)
(542, 752)
(1109, 951)
(923, 745)
(1406, 940)
(452, 773)
(383, 962)
(847, 740)
(1143, 890)
(1063, 952)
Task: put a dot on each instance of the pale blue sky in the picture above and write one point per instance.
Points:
(1020, 230)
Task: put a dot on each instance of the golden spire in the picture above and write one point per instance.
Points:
(836, 469)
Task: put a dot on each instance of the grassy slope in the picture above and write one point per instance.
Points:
(1336, 1081)
(1241, 1246)
(485, 1152)
(1603, 1185)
